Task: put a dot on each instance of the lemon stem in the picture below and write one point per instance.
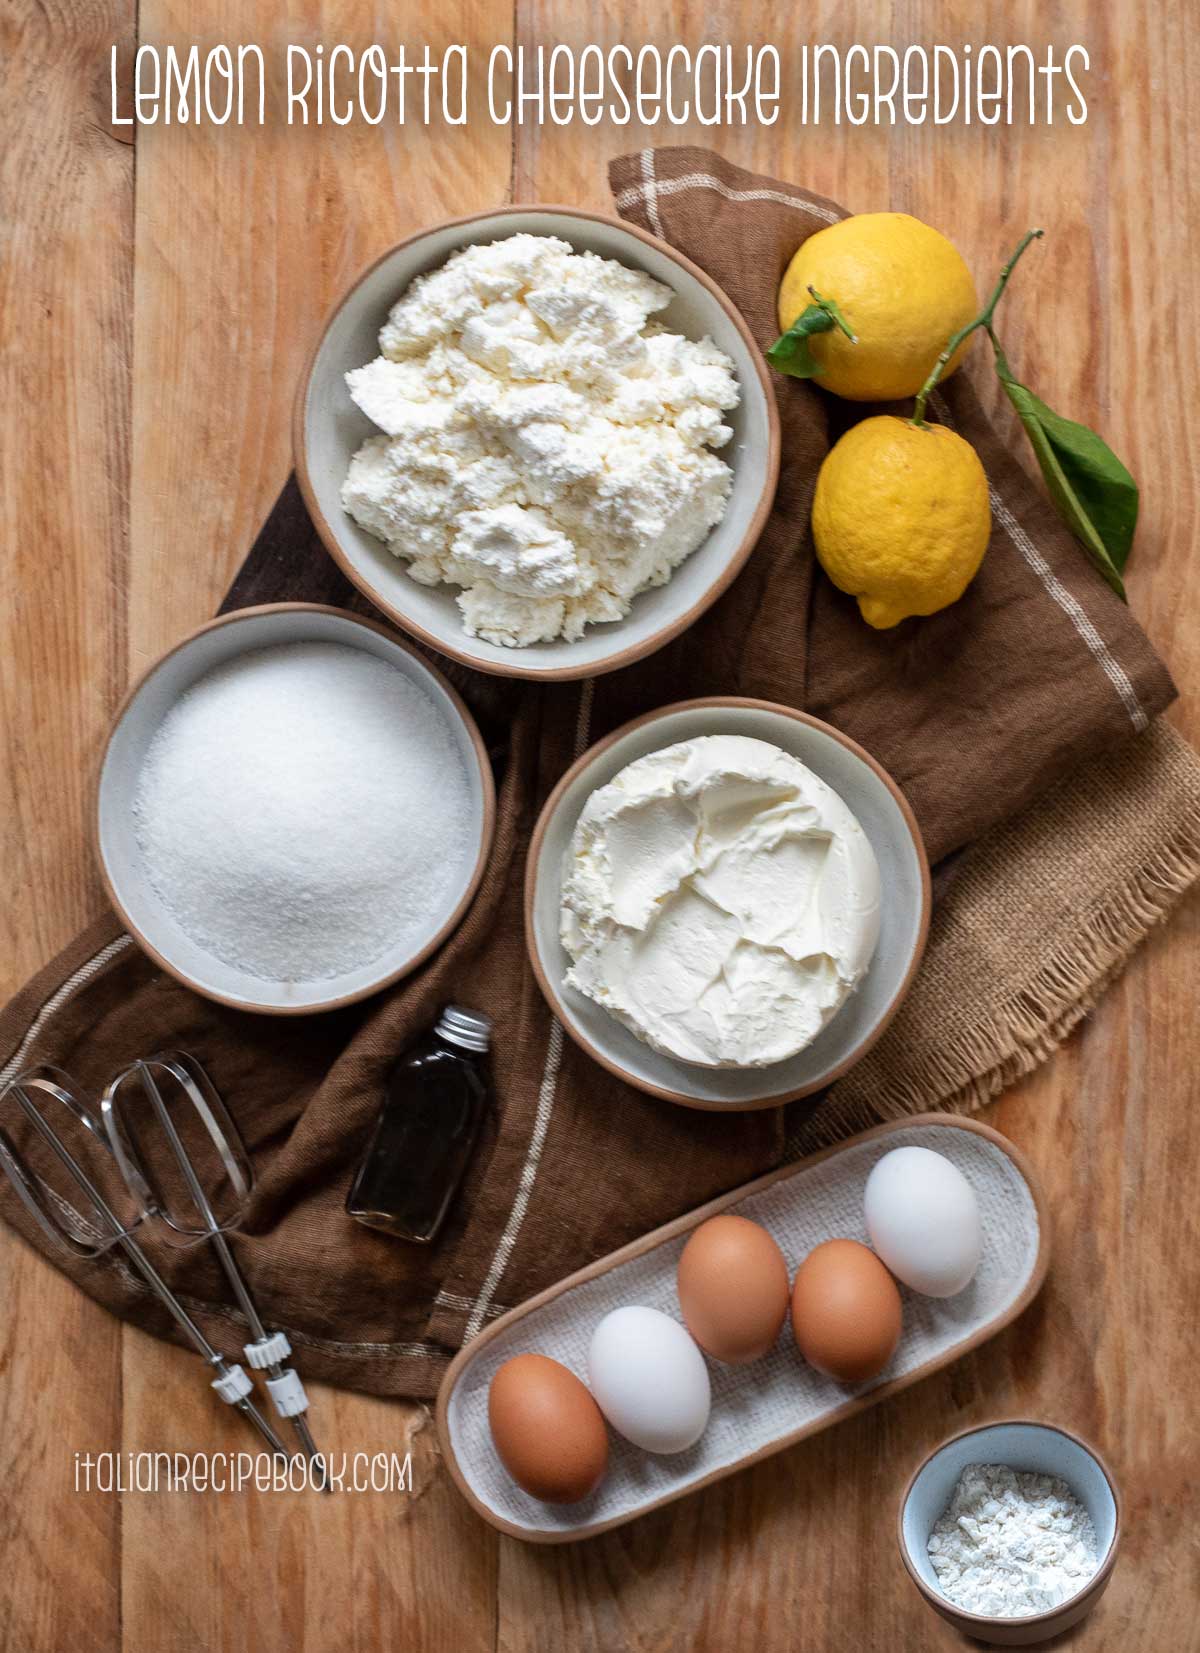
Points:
(983, 319)
(832, 310)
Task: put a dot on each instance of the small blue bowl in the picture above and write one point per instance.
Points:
(1018, 1444)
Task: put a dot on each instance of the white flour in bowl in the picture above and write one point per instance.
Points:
(302, 810)
(546, 445)
(1012, 1542)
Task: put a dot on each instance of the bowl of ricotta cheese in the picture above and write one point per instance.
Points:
(726, 902)
(538, 439)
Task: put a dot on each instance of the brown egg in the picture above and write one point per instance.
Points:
(733, 1289)
(547, 1429)
(845, 1311)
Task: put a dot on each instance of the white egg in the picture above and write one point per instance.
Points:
(923, 1219)
(649, 1379)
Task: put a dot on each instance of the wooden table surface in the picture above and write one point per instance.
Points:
(156, 302)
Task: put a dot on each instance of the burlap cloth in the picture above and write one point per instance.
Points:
(1019, 722)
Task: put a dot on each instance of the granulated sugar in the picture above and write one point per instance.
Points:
(302, 810)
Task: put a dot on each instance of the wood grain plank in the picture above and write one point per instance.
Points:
(65, 291)
(1145, 194)
(359, 1569)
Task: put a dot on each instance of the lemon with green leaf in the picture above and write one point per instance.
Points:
(866, 305)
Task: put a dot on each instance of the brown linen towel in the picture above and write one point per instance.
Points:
(978, 712)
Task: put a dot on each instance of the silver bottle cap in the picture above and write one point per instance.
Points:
(469, 1028)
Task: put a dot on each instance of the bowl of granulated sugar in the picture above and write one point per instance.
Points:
(294, 809)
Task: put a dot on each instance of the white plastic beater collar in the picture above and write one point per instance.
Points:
(285, 1389)
(287, 1392)
(233, 1385)
(270, 1350)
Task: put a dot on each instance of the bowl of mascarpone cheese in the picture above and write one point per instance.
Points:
(539, 440)
(726, 902)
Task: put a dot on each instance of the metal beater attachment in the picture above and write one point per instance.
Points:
(83, 1220)
(199, 1189)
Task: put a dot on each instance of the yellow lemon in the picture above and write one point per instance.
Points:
(903, 290)
(901, 517)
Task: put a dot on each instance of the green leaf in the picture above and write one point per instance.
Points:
(833, 310)
(1094, 493)
(791, 353)
(1102, 484)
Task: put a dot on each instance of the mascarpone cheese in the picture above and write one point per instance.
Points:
(720, 900)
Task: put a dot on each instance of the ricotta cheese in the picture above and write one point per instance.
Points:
(545, 445)
(719, 900)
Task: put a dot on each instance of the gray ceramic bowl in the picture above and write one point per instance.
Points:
(141, 909)
(885, 817)
(1019, 1444)
(328, 429)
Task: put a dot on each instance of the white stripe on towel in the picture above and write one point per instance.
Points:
(653, 188)
(649, 188)
(463, 1305)
(58, 998)
(1058, 592)
(545, 1105)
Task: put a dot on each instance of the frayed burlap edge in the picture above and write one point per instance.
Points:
(921, 1065)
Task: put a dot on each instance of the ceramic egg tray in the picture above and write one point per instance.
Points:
(761, 1408)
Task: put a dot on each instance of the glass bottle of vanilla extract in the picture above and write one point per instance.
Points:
(434, 1104)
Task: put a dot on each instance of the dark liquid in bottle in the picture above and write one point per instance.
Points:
(436, 1096)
